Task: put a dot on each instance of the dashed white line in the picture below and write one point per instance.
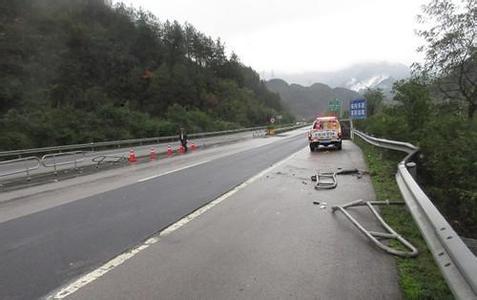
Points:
(173, 171)
(120, 259)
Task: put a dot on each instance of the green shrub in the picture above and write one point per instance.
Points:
(449, 168)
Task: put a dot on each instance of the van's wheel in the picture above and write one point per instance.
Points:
(338, 146)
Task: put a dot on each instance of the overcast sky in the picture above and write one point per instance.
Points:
(302, 35)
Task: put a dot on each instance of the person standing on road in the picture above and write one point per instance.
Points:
(183, 139)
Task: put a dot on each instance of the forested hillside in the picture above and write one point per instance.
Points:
(80, 71)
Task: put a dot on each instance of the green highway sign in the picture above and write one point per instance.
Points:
(334, 105)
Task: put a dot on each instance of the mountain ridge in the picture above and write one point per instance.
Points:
(305, 102)
(356, 77)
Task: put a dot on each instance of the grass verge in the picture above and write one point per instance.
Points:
(419, 278)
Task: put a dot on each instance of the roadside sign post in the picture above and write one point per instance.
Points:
(358, 109)
(271, 128)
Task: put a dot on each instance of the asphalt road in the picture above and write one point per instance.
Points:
(266, 241)
(41, 251)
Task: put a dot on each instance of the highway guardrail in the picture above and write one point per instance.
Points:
(73, 155)
(140, 141)
(455, 260)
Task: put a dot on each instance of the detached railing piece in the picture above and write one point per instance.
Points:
(322, 183)
(376, 236)
(455, 260)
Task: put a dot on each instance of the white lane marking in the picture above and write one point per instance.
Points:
(120, 259)
(173, 171)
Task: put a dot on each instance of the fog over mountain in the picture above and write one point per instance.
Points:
(307, 101)
(356, 77)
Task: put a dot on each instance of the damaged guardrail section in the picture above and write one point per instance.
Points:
(81, 155)
(455, 260)
(142, 141)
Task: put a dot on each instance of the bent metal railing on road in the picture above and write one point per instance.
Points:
(455, 260)
(63, 158)
(26, 168)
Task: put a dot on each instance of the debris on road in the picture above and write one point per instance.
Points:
(323, 205)
(323, 180)
(113, 159)
(375, 236)
(359, 173)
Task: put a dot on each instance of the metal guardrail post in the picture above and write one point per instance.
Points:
(75, 163)
(351, 129)
(27, 170)
(54, 164)
(412, 168)
(455, 260)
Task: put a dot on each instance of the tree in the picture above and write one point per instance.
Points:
(374, 97)
(79, 71)
(451, 49)
(415, 100)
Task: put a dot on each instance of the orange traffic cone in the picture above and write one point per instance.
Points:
(169, 150)
(181, 150)
(193, 146)
(152, 154)
(132, 156)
